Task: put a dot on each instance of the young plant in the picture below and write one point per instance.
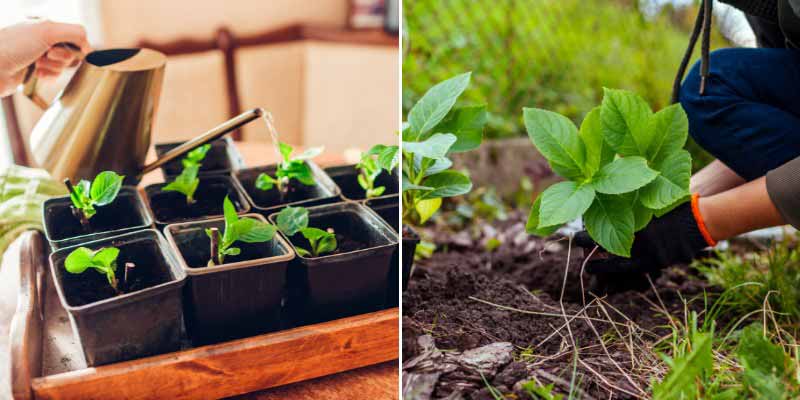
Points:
(185, 183)
(378, 158)
(86, 196)
(434, 130)
(248, 230)
(290, 168)
(292, 220)
(103, 261)
(196, 156)
(625, 165)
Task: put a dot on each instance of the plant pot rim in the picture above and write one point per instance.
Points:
(141, 204)
(240, 193)
(289, 253)
(366, 205)
(373, 219)
(178, 280)
(341, 193)
(321, 178)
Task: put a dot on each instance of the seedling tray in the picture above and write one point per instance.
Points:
(46, 361)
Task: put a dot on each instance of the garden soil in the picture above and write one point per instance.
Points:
(475, 319)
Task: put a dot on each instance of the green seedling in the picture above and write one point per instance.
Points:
(86, 196)
(290, 168)
(373, 162)
(185, 183)
(625, 165)
(196, 156)
(103, 261)
(434, 130)
(293, 220)
(247, 230)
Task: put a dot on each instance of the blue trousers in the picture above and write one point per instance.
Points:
(749, 116)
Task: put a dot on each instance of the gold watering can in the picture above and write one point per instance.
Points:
(103, 118)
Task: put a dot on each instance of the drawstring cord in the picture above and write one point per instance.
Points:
(701, 24)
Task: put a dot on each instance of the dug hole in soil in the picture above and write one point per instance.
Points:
(470, 314)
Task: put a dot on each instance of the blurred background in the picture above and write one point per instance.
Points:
(556, 55)
(326, 69)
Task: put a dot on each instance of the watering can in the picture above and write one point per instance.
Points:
(103, 118)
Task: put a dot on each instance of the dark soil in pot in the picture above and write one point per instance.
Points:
(151, 269)
(446, 306)
(171, 207)
(352, 279)
(323, 191)
(346, 177)
(144, 320)
(125, 213)
(240, 298)
(217, 159)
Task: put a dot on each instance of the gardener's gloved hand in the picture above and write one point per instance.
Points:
(33, 41)
(676, 237)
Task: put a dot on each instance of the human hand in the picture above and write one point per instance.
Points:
(33, 41)
(675, 237)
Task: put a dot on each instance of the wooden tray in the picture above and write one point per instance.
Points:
(47, 363)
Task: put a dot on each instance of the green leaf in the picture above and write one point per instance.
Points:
(438, 165)
(285, 150)
(229, 212)
(407, 185)
(610, 222)
(436, 103)
(624, 116)
(185, 183)
(598, 152)
(302, 252)
(466, 123)
(322, 241)
(564, 202)
(297, 170)
(292, 220)
(426, 208)
(671, 185)
(556, 137)
(196, 156)
(641, 214)
(756, 352)
(680, 382)
(532, 226)
(265, 182)
(309, 153)
(446, 184)
(435, 146)
(623, 175)
(232, 251)
(105, 187)
(105, 256)
(79, 260)
(670, 129)
(258, 232)
(388, 158)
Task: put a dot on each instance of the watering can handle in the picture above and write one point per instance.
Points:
(216, 132)
(29, 81)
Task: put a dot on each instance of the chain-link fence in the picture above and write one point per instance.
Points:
(553, 54)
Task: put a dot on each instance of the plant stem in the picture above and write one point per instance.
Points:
(215, 256)
(75, 211)
(128, 267)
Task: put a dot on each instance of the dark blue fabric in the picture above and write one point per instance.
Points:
(749, 116)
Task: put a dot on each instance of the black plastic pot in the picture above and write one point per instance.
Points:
(222, 158)
(388, 208)
(171, 207)
(350, 281)
(144, 321)
(410, 242)
(127, 213)
(268, 201)
(346, 178)
(239, 298)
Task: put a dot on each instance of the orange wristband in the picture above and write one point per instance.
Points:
(699, 218)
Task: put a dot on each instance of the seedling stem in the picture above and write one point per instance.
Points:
(215, 246)
(75, 211)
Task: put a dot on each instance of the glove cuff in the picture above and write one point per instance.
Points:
(701, 224)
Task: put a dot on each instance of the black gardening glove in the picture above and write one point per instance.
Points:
(673, 238)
